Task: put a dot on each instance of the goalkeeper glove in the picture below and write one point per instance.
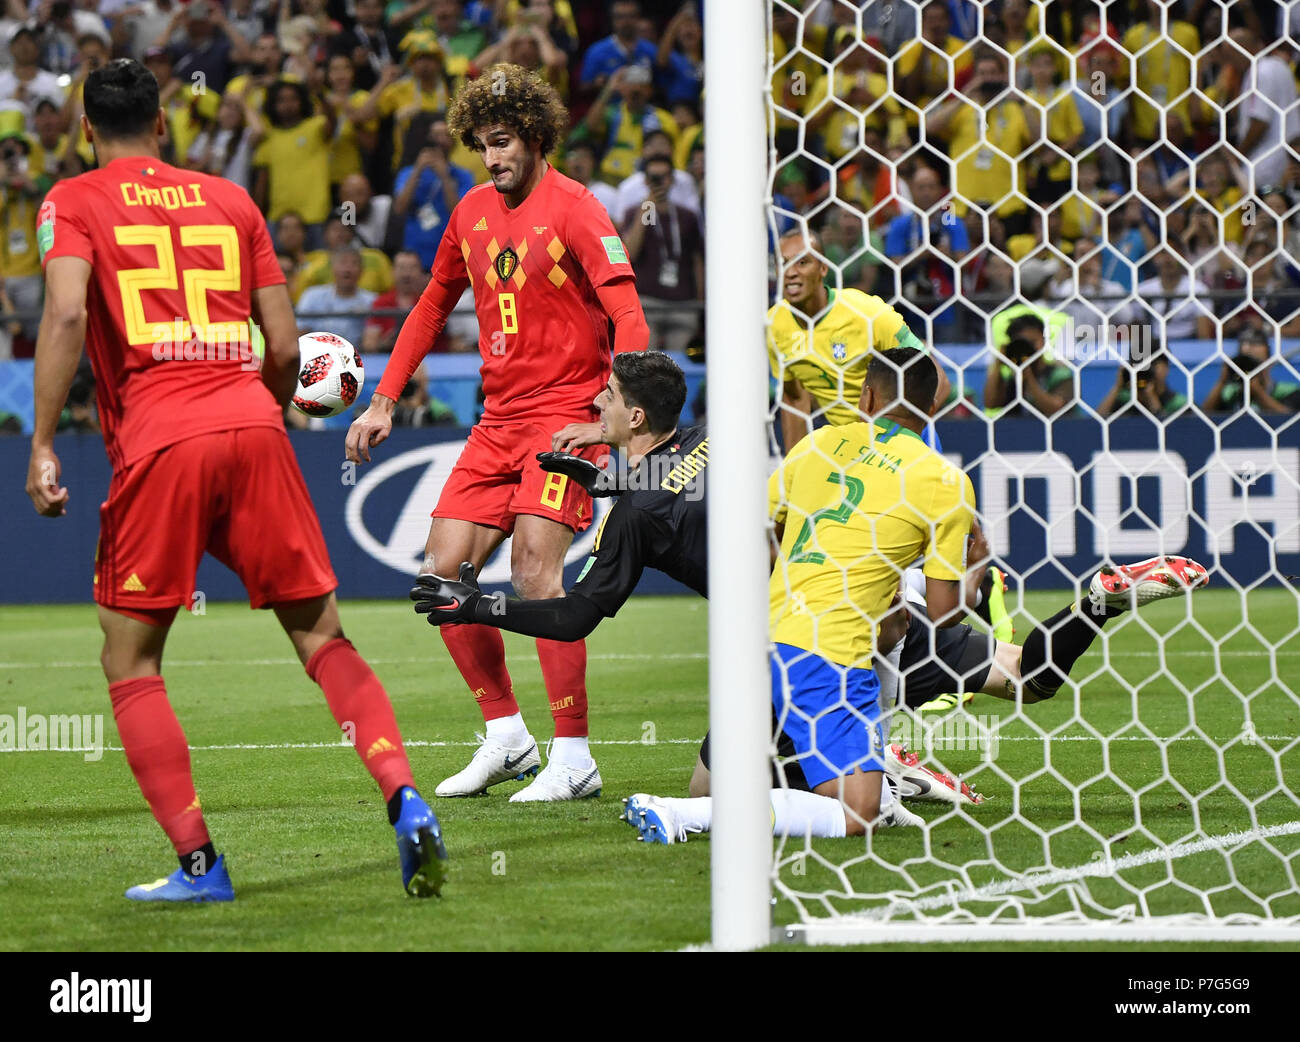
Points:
(597, 482)
(447, 600)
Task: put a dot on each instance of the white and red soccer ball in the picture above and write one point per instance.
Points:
(330, 375)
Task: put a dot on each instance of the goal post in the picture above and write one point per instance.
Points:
(736, 279)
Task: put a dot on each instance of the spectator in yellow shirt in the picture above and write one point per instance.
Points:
(1164, 75)
(21, 189)
(1047, 173)
(268, 59)
(622, 125)
(185, 112)
(857, 81)
(351, 139)
(926, 69)
(317, 267)
(1220, 192)
(292, 164)
(290, 237)
(794, 70)
(986, 130)
(422, 89)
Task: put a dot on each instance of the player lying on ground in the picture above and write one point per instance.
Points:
(806, 672)
(548, 273)
(963, 659)
(658, 521)
(192, 470)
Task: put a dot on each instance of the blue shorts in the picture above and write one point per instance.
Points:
(831, 713)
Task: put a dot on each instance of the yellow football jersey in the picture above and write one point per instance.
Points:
(832, 362)
(860, 504)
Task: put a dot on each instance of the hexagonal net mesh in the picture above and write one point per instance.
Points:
(1086, 214)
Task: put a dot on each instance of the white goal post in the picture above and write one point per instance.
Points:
(1155, 798)
(735, 113)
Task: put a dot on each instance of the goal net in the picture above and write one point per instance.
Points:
(1088, 213)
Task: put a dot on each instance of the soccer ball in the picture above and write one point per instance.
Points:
(331, 375)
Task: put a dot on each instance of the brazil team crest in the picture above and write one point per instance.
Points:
(506, 263)
(839, 352)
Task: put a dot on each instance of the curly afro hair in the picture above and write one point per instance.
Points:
(514, 96)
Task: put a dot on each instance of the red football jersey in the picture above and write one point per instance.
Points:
(535, 269)
(175, 256)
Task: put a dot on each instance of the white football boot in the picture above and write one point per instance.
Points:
(915, 781)
(493, 762)
(561, 781)
(898, 816)
(653, 819)
(1133, 585)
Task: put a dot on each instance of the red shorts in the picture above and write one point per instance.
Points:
(497, 478)
(238, 495)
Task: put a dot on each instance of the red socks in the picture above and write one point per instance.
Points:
(480, 655)
(360, 705)
(564, 668)
(159, 758)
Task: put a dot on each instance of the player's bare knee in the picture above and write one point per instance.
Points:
(310, 624)
(535, 576)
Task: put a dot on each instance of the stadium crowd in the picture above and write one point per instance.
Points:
(951, 195)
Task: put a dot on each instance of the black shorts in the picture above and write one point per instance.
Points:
(961, 661)
(784, 764)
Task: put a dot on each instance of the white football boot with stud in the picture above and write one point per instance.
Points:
(493, 762)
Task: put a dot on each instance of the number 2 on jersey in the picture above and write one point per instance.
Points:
(133, 282)
(853, 490)
(509, 317)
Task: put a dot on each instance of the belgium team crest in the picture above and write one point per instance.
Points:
(506, 263)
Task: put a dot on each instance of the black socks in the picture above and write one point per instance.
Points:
(197, 862)
(1068, 634)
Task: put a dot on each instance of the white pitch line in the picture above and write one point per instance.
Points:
(681, 656)
(255, 747)
(1039, 880)
(274, 746)
(169, 663)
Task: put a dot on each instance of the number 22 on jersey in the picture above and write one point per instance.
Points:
(164, 275)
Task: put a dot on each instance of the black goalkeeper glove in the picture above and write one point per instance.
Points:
(447, 600)
(597, 482)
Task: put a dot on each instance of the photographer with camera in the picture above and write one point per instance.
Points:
(983, 125)
(1250, 369)
(1143, 384)
(1021, 376)
(666, 249)
(22, 188)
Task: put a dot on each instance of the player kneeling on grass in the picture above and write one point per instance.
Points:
(963, 660)
(193, 471)
(854, 506)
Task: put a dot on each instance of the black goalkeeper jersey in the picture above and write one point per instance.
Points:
(660, 522)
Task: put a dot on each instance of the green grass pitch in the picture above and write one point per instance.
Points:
(313, 859)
